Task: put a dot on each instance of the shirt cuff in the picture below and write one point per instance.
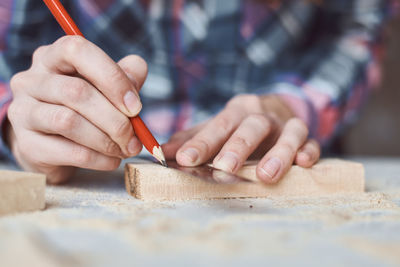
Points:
(5, 152)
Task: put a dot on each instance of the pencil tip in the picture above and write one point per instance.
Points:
(159, 155)
(164, 163)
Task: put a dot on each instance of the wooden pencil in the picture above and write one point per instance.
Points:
(141, 130)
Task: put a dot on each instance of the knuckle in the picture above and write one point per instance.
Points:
(12, 111)
(241, 143)
(71, 44)
(82, 156)
(64, 120)
(260, 120)
(110, 147)
(115, 75)
(248, 101)
(203, 145)
(17, 81)
(299, 125)
(242, 97)
(75, 90)
(38, 53)
(16, 111)
(121, 128)
(288, 148)
(252, 100)
(224, 123)
(237, 99)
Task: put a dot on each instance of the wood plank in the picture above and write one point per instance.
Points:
(21, 191)
(149, 181)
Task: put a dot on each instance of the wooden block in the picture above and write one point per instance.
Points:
(21, 191)
(149, 181)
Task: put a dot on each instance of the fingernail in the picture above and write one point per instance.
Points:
(227, 162)
(271, 168)
(133, 145)
(191, 153)
(132, 103)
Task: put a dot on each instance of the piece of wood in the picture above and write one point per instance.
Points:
(149, 181)
(21, 191)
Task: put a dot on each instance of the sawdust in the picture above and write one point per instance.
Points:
(279, 227)
(388, 252)
(142, 225)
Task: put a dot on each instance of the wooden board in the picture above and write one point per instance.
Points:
(149, 181)
(21, 191)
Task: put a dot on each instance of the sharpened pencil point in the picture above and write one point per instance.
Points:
(159, 155)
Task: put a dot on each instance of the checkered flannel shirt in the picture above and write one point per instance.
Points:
(320, 57)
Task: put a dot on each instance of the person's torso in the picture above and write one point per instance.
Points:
(200, 53)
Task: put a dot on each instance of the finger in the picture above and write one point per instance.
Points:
(281, 156)
(58, 175)
(80, 96)
(178, 139)
(135, 68)
(54, 174)
(55, 119)
(309, 154)
(76, 55)
(205, 144)
(52, 150)
(248, 136)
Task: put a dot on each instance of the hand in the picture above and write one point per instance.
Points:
(71, 109)
(249, 126)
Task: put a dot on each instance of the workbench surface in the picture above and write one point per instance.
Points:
(92, 221)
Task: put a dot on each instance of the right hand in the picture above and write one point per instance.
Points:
(71, 108)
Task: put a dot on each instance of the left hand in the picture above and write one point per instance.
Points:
(249, 126)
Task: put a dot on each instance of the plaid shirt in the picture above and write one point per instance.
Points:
(320, 59)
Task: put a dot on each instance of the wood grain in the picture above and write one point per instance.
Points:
(149, 181)
(21, 191)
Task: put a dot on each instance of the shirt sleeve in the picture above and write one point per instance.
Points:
(337, 68)
(24, 26)
(5, 74)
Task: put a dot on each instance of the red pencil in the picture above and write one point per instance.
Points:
(141, 130)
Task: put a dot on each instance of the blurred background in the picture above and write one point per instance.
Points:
(377, 131)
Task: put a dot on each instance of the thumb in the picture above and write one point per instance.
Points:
(178, 139)
(135, 68)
